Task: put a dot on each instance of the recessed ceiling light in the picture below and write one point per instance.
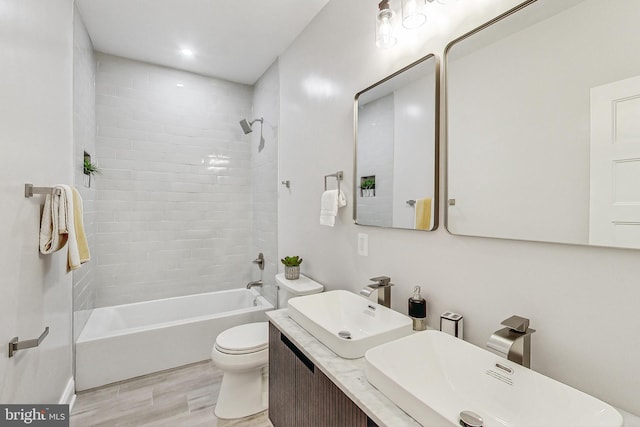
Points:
(180, 84)
(186, 52)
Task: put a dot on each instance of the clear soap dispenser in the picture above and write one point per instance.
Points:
(418, 310)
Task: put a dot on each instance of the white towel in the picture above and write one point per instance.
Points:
(58, 226)
(329, 203)
(73, 257)
(53, 227)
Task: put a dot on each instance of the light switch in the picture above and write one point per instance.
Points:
(363, 244)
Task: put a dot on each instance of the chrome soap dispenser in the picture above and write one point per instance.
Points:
(418, 310)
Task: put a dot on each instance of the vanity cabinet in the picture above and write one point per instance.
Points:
(301, 395)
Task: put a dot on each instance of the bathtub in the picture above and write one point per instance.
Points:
(126, 341)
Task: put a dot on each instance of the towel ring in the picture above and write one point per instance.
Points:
(338, 176)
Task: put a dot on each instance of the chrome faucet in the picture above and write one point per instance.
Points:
(383, 286)
(514, 341)
(256, 283)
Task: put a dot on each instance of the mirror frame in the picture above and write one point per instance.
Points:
(436, 141)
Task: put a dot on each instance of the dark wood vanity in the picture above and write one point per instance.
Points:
(301, 395)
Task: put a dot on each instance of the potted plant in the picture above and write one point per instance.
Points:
(368, 187)
(291, 267)
(90, 169)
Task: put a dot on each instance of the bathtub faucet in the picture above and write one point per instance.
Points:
(256, 283)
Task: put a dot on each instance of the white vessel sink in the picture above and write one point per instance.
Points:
(347, 323)
(434, 377)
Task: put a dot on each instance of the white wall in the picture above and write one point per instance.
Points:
(36, 48)
(264, 178)
(173, 202)
(581, 300)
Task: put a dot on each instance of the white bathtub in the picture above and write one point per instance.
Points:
(130, 340)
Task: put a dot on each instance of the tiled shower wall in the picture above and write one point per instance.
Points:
(173, 206)
(84, 137)
(264, 178)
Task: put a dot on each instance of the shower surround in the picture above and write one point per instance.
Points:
(173, 205)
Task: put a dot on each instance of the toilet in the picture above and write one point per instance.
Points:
(242, 353)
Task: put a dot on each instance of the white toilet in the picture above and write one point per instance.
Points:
(242, 353)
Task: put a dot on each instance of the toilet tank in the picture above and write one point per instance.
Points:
(295, 288)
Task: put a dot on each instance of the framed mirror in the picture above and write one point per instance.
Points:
(396, 149)
(543, 125)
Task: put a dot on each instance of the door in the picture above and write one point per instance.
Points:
(614, 218)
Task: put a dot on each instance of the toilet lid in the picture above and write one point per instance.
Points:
(243, 339)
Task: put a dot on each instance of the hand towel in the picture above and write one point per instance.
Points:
(73, 255)
(81, 238)
(329, 203)
(53, 226)
(423, 214)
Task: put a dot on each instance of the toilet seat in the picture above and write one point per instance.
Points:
(244, 339)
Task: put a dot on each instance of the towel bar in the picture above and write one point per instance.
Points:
(338, 176)
(15, 344)
(30, 190)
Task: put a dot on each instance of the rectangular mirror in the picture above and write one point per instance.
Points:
(396, 149)
(543, 125)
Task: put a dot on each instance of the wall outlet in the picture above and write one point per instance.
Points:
(363, 244)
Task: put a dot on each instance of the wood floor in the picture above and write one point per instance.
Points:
(184, 396)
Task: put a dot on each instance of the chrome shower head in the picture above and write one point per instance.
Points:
(247, 125)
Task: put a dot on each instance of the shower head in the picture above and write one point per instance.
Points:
(246, 125)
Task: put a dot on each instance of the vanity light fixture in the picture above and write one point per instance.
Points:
(413, 14)
(384, 26)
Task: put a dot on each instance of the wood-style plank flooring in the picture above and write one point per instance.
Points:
(181, 397)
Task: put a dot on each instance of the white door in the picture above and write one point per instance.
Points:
(615, 164)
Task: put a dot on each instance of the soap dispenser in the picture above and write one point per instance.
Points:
(418, 310)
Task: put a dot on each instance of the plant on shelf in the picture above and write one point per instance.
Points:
(291, 267)
(90, 169)
(368, 187)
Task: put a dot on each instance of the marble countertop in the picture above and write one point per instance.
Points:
(347, 374)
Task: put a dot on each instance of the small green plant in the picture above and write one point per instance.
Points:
(368, 184)
(291, 261)
(90, 168)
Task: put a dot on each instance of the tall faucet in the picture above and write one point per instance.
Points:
(383, 286)
(256, 283)
(514, 341)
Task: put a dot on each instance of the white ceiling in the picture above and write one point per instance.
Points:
(235, 40)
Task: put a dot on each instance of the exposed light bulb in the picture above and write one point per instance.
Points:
(384, 26)
(412, 14)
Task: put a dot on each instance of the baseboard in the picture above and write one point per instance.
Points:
(69, 394)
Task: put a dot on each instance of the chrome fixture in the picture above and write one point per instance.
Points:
(247, 126)
(383, 286)
(257, 283)
(15, 344)
(470, 419)
(259, 261)
(384, 26)
(514, 341)
(413, 15)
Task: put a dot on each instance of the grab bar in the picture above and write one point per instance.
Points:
(15, 344)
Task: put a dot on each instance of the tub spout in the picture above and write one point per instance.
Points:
(256, 283)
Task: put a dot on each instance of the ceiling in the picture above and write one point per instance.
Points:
(235, 40)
